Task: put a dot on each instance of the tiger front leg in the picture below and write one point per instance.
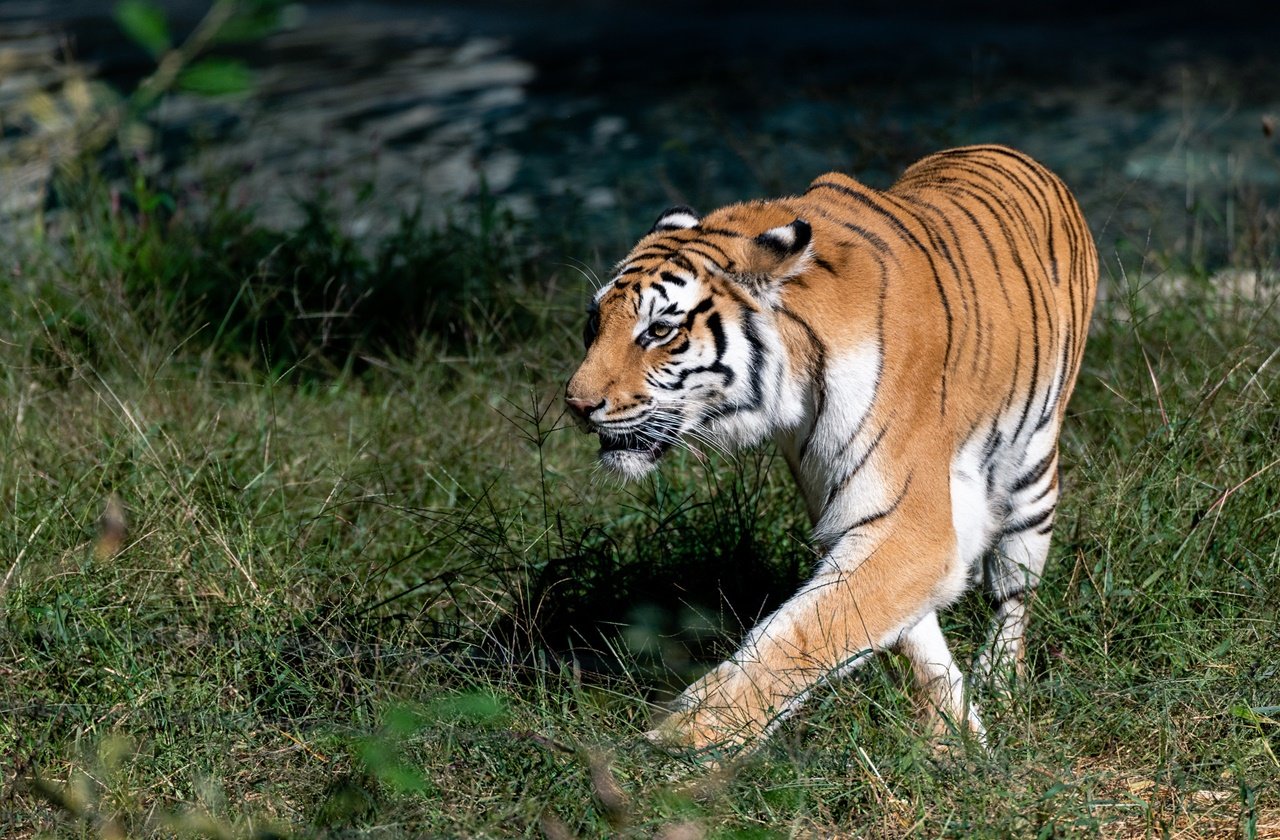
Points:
(832, 625)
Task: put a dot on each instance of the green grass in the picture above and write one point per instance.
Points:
(370, 586)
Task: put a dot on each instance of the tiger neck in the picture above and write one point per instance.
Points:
(832, 432)
(815, 402)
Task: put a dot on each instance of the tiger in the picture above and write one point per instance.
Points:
(910, 352)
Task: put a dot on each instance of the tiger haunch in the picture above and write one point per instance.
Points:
(911, 351)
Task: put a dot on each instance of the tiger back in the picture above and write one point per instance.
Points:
(911, 352)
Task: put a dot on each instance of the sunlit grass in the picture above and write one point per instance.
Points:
(363, 592)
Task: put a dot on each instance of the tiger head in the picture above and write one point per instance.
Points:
(682, 343)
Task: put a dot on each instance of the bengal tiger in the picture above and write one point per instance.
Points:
(911, 352)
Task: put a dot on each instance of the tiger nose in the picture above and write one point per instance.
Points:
(581, 407)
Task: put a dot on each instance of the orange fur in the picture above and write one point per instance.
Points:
(912, 352)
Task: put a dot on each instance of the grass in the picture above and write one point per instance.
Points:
(269, 574)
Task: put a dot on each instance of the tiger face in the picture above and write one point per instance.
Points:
(680, 342)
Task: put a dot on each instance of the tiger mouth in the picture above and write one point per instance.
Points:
(632, 443)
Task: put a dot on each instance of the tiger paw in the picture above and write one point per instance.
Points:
(707, 736)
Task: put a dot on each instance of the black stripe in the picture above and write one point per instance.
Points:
(732, 234)
(896, 223)
(857, 466)
(818, 373)
(1034, 474)
(703, 305)
(732, 290)
(877, 516)
(992, 442)
(713, 324)
(938, 216)
(1000, 195)
(694, 248)
(654, 251)
(756, 346)
(877, 243)
(1059, 383)
(980, 169)
(986, 241)
(996, 602)
(1027, 524)
(1015, 253)
(1049, 488)
(1026, 181)
(683, 261)
(980, 180)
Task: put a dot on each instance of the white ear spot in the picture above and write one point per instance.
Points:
(786, 240)
(783, 237)
(676, 218)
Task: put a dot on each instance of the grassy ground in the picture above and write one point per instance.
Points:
(300, 571)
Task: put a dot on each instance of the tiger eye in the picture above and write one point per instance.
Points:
(660, 330)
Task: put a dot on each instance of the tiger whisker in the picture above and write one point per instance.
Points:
(586, 271)
(674, 435)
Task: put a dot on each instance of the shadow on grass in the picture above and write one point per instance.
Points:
(669, 595)
(314, 300)
(653, 599)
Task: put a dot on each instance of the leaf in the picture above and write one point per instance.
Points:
(145, 24)
(380, 756)
(1255, 714)
(1052, 791)
(403, 779)
(253, 19)
(402, 722)
(216, 77)
(478, 709)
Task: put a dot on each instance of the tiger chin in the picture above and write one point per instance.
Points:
(911, 353)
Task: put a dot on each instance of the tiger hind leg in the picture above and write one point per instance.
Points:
(1015, 567)
(938, 679)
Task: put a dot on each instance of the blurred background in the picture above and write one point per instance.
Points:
(599, 114)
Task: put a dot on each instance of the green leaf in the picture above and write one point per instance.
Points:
(381, 757)
(216, 77)
(401, 722)
(477, 708)
(253, 19)
(1255, 714)
(403, 779)
(145, 24)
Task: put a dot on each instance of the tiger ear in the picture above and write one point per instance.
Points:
(781, 252)
(676, 218)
